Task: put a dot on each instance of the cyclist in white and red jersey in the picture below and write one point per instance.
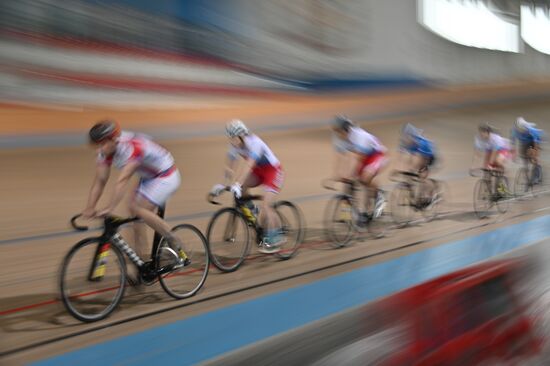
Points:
(360, 155)
(496, 150)
(261, 167)
(134, 153)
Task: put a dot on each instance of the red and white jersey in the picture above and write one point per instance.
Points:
(359, 141)
(154, 159)
(494, 143)
(254, 148)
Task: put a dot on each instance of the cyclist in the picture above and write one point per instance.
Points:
(261, 167)
(359, 155)
(528, 141)
(420, 156)
(134, 153)
(494, 148)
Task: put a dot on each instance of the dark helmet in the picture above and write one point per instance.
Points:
(103, 130)
(486, 127)
(341, 122)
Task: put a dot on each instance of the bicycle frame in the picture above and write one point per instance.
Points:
(110, 236)
(351, 187)
(490, 177)
(413, 184)
(254, 224)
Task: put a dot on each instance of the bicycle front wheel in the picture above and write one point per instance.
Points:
(292, 227)
(340, 216)
(184, 280)
(482, 199)
(228, 239)
(92, 279)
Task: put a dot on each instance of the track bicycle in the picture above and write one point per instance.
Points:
(344, 218)
(414, 194)
(93, 274)
(232, 230)
(491, 190)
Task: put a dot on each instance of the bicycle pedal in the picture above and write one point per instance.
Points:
(133, 282)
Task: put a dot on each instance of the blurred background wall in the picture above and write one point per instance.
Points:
(303, 42)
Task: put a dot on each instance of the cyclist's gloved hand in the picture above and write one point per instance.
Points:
(237, 190)
(217, 189)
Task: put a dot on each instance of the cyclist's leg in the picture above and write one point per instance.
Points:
(150, 195)
(272, 180)
(369, 170)
(500, 160)
(253, 180)
(268, 217)
(420, 166)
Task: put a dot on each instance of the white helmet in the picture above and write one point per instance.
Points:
(521, 124)
(236, 128)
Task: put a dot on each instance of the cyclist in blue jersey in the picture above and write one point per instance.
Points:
(528, 139)
(418, 155)
(420, 150)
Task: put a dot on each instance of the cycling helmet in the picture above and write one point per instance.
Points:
(103, 130)
(236, 128)
(409, 130)
(486, 127)
(522, 125)
(342, 122)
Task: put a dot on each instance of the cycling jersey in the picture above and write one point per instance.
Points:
(159, 177)
(359, 141)
(493, 143)
(154, 159)
(531, 135)
(254, 148)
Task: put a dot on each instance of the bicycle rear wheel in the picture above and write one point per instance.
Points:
(184, 281)
(292, 227)
(228, 239)
(482, 199)
(400, 203)
(92, 280)
(340, 215)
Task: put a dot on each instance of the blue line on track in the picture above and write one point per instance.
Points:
(209, 335)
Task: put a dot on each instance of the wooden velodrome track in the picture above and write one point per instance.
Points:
(41, 188)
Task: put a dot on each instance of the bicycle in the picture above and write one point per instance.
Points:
(409, 197)
(490, 190)
(91, 288)
(229, 246)
(527, 178)
(344, 220)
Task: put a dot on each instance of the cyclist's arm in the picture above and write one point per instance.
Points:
(123, 179)
(477, 155)
(229, 171)
(245, 170)
(341, 165)
(100, 180)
